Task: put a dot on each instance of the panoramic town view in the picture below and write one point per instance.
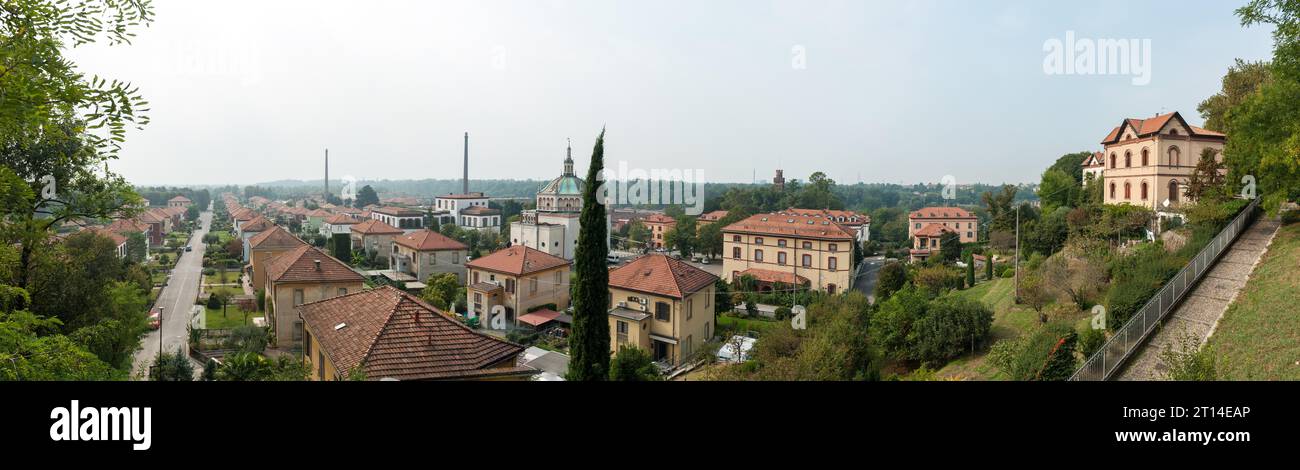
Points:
(625, 191)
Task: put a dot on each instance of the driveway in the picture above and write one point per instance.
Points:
(868, 273)
(176, 300)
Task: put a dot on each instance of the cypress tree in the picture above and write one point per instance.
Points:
(589, 341)
(988, 267)
(970, 270)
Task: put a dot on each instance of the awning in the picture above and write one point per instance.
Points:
(540, 317)
(663, 339)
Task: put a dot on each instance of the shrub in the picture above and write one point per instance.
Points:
(248, 338)
(938, 279)
(783, 313)
(1091, 341)
(1189, 362)
(1291, 217)
(1046, 355)
(951, 326)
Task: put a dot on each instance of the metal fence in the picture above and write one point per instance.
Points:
(1107, 361)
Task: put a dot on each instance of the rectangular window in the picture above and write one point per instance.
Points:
(807, 261)
(780, 258)
(306, 344)
(297, 297)
(621, 329)
(343, 291)
(807, 245)
(663, 311)
(532, 285)
(510, 286)
(780, 243)
(690, 307)
(832, 263)
(320, 365)
(297, 331)
(834, 247)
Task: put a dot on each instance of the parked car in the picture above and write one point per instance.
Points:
(705, 260)
(189, 248)
(155, 318)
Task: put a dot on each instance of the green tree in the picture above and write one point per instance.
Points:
(366, 196)
(1265, 126)
(892, 277)
(441, 290)
(970, 270)
(949, 247)
(136, 247)
(632, 364)
(1241, 82)
(1058, 189)
(44, 140)
(1207, 181)
(589, 340)
(172, 367)
(682, 236)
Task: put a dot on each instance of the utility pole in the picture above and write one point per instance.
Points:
(1017, 265)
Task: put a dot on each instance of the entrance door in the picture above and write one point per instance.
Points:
(661, 351)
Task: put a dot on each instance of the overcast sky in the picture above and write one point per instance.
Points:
(899, 91)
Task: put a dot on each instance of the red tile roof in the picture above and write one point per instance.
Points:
(341, 219)
(791, 226)
(375, 227)
(391, 334)
(841, 217)
(1146, 127)
(941, 213)
(713, 216)
(658, 274)
(480, 210)
(322, 213)
(429, 240)
(771, 277)
(117, 238)
(658, 219)
(257, 224)
(398, 211)
(933, 230)
(518, 260)
(274, 237)
(179, 199)
(299, 265)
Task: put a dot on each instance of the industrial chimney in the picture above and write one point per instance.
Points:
(465, 181)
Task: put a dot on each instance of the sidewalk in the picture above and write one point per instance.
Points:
(1201, 310)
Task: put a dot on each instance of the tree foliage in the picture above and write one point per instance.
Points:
(589, 340)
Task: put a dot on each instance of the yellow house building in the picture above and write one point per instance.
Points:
(299, 276)
(519, 279)
(789, 249)
(266, 245)
(387, 334)
(661, 305)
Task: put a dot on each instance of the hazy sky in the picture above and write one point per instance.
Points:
(899, 91)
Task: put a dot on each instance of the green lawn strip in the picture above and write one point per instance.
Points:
(742, 325)
(1258, 337)
(233, 318)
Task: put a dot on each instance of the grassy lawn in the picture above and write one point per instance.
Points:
(232, 277)
(233, 318)
(1258, 337)
(229, 290)
(741, 325)
(1009, 322)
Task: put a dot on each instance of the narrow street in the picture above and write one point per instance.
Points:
(867, 275)
(176, 300)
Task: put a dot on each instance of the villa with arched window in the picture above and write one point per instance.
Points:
(1175, 144)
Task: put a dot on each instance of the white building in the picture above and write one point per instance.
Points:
(409, 220)
(553, 226)
(338, 224)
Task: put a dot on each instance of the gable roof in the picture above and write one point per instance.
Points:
(179, 199)
(1147, 127)
(274, 237)
(257, 224)
(391, 334)
(428, 240)
(518, 260)
(341, 219)
(658, 274)
(791, 225)
(299, 265)
(375, 227)
(933, 230)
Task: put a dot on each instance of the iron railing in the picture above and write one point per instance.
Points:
(1106, 362)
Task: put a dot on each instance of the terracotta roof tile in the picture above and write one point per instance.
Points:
(770, 276)
(933, 230)
(656, 273)
(941, 213)
(275, 237)
(391, 334)
(375, 227)
(341, 219)
(429, 240)
(518, 260)
(257, 224)
(299, 265)
(789, 225)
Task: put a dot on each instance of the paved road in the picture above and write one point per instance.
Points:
(176, 298)
(870, 271)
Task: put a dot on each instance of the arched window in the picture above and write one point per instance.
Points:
(1113, 160)
(1173, 191)
(1128, 159)
(1112, 190)
(1173, 131)
(1173, 156)
(1128, 191)
(1144, 190)
(1144, 157)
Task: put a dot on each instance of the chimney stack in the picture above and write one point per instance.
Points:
(327, 176)
(465, 181)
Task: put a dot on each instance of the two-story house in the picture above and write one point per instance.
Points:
(658, 225)
(409, 220)
(519, 279)
(962, 221)
(927, 241)
(387, 334)
(337, 225)
(266, 245)
(298, 276)
(249, 230)
(791, 250)
(425, 252)
(661, 305)
(374, 238)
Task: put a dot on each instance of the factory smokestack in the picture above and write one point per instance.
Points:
(327, 175)
(465, 181)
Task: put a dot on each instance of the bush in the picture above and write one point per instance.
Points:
(633, 365)
(1046, 355)
(783, 313)
(1291, 217)
(1091, 341)
(248, 338)
(938, 279)
(1189, 362)
(951, 326)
